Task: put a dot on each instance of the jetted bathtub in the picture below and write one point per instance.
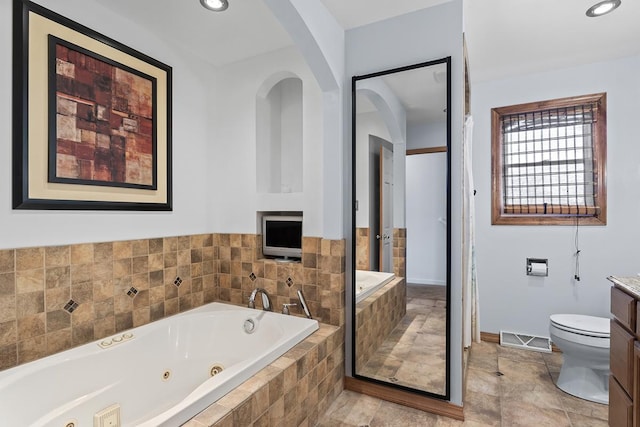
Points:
(159, 374)
(367, 282)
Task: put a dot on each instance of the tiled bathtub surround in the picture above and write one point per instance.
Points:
(294, 390)
(320, 275)
(112, 285)
(120, 285)
(362, 249)
(376, 317)
(400, 252)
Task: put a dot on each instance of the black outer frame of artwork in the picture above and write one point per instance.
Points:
(20, 117)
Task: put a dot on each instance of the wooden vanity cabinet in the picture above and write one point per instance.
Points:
(624, 383)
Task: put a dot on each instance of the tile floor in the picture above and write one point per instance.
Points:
(413, 354)
(505, 387)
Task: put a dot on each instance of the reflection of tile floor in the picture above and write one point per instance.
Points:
(413, 354)
(524, 395)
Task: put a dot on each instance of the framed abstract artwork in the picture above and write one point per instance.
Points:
(91, 119)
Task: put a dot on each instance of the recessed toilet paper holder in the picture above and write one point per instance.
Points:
(537, 267)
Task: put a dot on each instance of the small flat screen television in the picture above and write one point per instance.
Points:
(282, 236)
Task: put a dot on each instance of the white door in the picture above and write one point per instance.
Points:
(386, 209)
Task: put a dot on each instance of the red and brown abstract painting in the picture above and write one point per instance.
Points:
(103, 133)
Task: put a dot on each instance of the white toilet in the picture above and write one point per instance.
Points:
(584, 342)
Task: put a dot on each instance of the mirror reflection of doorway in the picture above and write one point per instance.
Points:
(380, 204)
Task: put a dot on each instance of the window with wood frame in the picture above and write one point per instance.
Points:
(549, 162)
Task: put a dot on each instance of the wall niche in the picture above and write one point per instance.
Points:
(279, 135)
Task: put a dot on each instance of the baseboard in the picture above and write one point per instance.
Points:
(426, 282)
(490, 337)
(495, 339)
(405, 398)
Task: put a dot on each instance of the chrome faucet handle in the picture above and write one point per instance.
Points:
(285, 307)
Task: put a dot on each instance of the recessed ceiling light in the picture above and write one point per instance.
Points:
(215, 5)
(603, 8)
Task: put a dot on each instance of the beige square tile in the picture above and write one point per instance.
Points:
(82, 254)
(57, 256)
(122, 268)
(32, 349)
(103, 252)
(29, 281)
(58, 341)
(7, 284)
(57, 277)
(8, 333)
(122, 250)
(81, 273)
(57, 320)
(141, 247)
(184, 243)
(7, 260)
(28, 304)
(160, 245)
(31, 326)
(29, 259)
(82, 333)
(56, 298)
(8, 356)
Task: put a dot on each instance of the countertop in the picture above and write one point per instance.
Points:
(629, 284)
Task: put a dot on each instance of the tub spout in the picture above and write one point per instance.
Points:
(266, 301)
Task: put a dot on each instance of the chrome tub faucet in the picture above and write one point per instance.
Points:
(266, 301)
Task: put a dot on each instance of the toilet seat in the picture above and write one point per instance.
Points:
(591, 326)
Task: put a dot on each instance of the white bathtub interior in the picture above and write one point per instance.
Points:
(367, 282)
(161, 376)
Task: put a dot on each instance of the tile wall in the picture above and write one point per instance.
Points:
(362, 249)
(57, 297)
(400, 252)
(377, 316)
(320, 275)
(295, 390)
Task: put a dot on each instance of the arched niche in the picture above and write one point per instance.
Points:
(279, 134)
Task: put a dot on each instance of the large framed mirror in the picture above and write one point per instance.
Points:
(401, 235)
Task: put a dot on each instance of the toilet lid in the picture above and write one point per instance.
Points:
(585, 325)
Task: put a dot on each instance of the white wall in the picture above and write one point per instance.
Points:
(427, 135)
(426, 211)
(191, 139)
(512, 301)
(429, 34)
(233, 118)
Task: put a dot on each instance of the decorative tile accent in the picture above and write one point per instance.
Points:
(253, 277)
(178, 281)
(132, 292)
(289, 281)
(71, 306)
